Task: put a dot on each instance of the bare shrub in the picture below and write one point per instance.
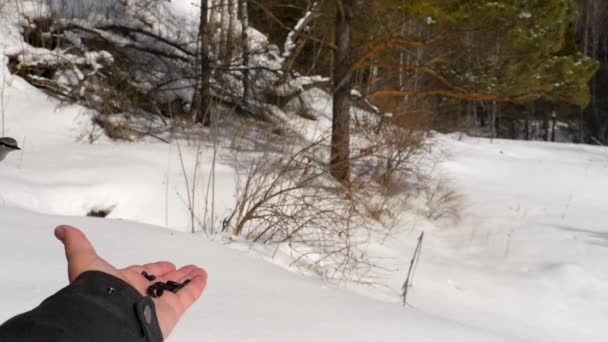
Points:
(389, 150)
(117, 130)
(441, 202)
(394, 169)
(288, 197)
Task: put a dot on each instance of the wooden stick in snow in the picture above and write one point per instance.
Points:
(410, 272)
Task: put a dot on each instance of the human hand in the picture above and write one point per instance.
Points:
(81, 257)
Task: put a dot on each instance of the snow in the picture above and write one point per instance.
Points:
(525, 15)
(529, 257)
(526, 262)
(247, 298)
(37, 56)
(290, 42)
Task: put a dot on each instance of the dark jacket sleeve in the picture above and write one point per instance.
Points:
(96, 307)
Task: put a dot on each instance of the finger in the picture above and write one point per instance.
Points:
(194, 289)
(189, 275)
(173, 276)
(136, 278)
(75, 242)
(177, 274)
(180, 301)
(78, 250)
(157, 269)
(171, 306)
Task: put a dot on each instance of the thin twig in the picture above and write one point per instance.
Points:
(410, 272)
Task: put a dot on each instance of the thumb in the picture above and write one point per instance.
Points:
(78, 250)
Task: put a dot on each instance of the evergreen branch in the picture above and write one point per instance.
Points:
(470, 96)
(390, 41)
(423, 69)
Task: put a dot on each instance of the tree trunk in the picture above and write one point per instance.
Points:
(581, 121)
(553, 124)
(545, 126)
(233, 10)
(513, 130)
(245, 48)
(216, 14)
(224, 28)
(492, 122)
(340, 140)
(581, 126)
(202, 102)
(527, 122)
(475, 114)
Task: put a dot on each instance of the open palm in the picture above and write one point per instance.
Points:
(81, 257)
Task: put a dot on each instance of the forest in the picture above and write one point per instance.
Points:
(529, 70)
(510, 69)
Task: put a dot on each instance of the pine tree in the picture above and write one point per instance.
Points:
(340, 140)
(516, 53)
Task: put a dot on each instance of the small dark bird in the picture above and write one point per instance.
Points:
(7, 145)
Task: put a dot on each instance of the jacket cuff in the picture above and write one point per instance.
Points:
(96, 307)
(124, 297)
(115, 296)
(120, 297)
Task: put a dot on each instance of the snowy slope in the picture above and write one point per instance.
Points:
(529, 258)
(247, 299)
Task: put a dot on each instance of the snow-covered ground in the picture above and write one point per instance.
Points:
(529, 258)
(247, 299)
(528, 261)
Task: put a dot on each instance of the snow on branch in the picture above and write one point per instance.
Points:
(301, 26)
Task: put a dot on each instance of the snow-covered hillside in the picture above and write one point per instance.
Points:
(247, 299)
(528, 261)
